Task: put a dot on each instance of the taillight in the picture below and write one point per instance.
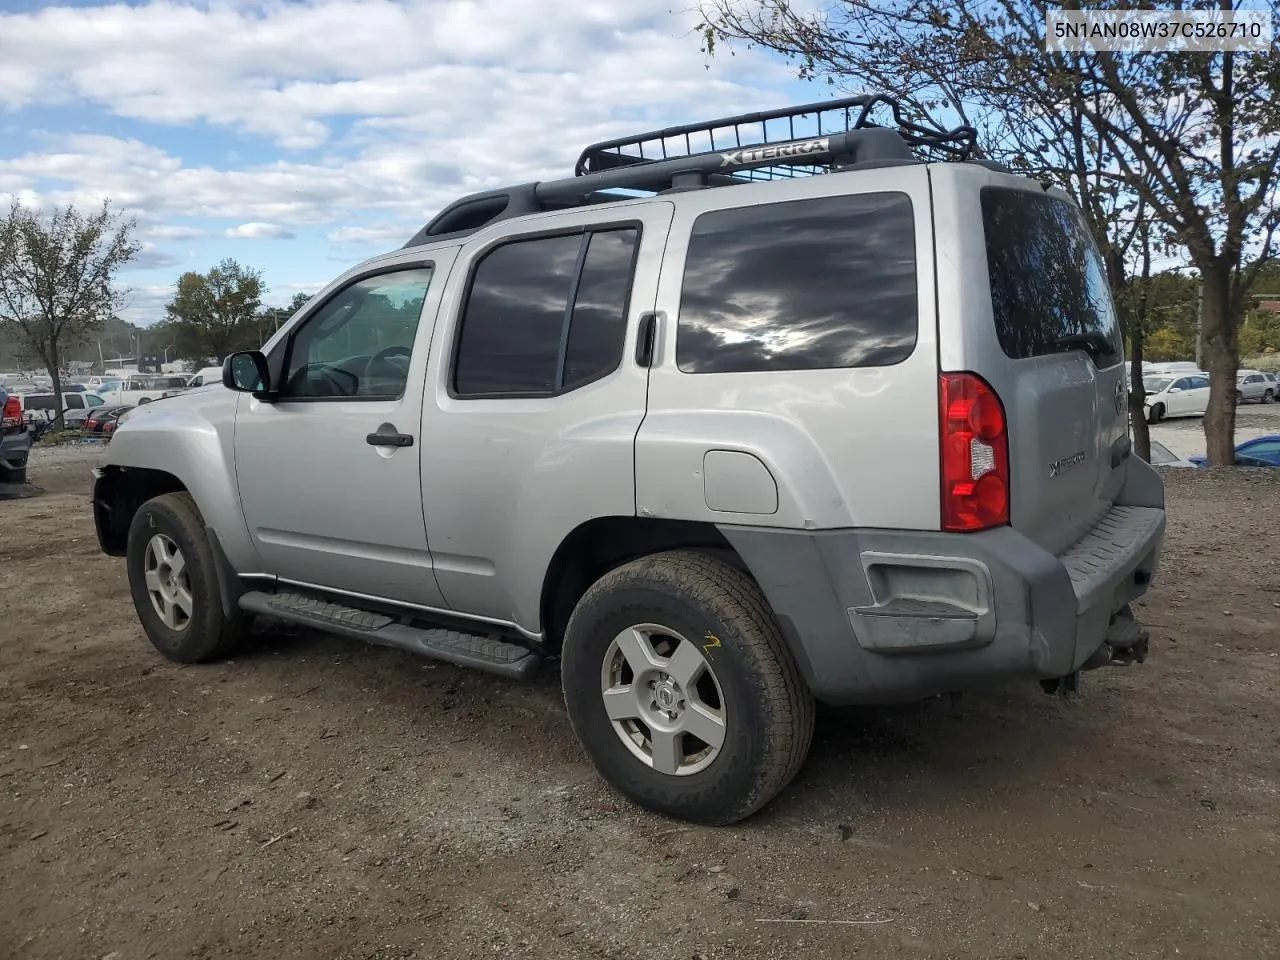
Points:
(975, 454)
(11, 416)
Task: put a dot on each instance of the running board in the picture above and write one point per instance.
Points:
(452, 646)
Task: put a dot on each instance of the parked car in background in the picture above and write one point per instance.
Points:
(1174, 396)
(15, 439)
(97, 421)
(1258, 452)
(1162, 456)
(41, 406)
(1257, 386)
(113, 419)
(205, 376)
(143, 389)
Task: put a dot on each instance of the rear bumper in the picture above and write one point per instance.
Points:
(878, 616)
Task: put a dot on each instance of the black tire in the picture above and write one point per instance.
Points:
(144, 400)
(1156, 414)
(18, 477)
(768, 708)
(1268, 397)
(208, 633)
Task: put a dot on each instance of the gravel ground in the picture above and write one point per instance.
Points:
(317, 798)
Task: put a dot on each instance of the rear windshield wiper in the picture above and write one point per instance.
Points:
(1094, 343)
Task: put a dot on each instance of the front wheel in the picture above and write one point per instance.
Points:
(1268, 397)
(680, 687)
(174, 582)
(1156, 413)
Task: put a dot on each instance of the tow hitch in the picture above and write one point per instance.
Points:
(1126, 643)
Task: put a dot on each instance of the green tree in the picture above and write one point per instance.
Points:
(1194, 137)
(57, 276)
(216, 313)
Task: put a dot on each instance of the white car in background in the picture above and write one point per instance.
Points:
(205, 376)
(1173, 395)
(142, 388)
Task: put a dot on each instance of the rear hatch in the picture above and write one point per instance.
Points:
(1040, 327)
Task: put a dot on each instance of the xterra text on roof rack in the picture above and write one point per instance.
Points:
(746, 413)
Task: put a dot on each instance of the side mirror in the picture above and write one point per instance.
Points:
(247, 372)
(1175, 389)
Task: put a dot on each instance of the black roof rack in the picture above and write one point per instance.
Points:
(732, 134)
(791, 142)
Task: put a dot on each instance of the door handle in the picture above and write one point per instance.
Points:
(389, 440)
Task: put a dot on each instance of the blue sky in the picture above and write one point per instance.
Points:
(301, 137)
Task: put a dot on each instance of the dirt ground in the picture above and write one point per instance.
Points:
(317, 798)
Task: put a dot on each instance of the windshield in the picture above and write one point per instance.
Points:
(1155, 384)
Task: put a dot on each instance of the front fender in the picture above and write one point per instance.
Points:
(190, 437)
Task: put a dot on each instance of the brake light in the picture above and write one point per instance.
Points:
(975, 454)
(12, 413)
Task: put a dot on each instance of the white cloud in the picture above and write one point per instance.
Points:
(144, 305)
(259, 231)
(379, 112)
(166, 231)
(150, 256)
(384, 235)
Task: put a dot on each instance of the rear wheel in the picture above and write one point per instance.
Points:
(174, 582)
(14, 476)
(680, 687)
(1156, 413)
(1269, 396)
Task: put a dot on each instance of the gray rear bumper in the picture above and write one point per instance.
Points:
(876, 616)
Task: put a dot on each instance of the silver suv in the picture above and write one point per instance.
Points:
(730, 442)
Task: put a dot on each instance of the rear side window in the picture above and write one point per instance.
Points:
(546, 315)
(1049, 291)
(800, 285)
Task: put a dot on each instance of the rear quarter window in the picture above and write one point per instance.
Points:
(1048, 281)
(803, 284)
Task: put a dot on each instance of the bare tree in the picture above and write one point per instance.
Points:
(56, 278)
(1195, 137)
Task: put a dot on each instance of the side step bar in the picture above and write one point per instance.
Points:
(452, 646)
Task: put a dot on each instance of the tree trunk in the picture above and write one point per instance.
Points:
(1137, 393)
(54, 362)
(1219, 336)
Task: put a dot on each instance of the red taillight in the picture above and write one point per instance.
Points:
(12, 413)
(975, 454)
